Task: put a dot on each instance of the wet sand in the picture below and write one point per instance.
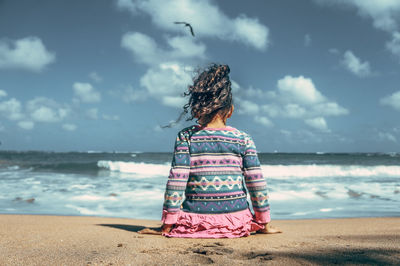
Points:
(70, 240)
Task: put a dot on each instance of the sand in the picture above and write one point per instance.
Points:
(69, 240)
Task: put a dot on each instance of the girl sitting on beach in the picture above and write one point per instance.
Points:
(212, 163)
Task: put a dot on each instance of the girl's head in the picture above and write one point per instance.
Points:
(210, 95)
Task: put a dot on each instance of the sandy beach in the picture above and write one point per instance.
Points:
(72, 240)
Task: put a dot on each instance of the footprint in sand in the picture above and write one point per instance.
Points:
(261, 255)
(204, 251)
(216, 248)
(201, 260)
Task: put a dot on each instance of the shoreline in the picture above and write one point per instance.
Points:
(91, 240)
(154, 220)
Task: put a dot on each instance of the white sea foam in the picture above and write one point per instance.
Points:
(135, 189)
(92, 198)
(284, 195)
(269, 171)
(139, 169)
(78, 186)
(144, 195)
(100, 210)
(304, 171)
(32, 180)
(300, 213)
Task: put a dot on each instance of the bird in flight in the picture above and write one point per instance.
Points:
(186, 25)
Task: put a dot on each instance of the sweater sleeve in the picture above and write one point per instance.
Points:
(177, 180)
(255, 182)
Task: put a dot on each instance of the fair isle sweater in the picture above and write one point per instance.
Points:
(211, 168)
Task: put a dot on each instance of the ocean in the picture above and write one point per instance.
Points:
(131, 184)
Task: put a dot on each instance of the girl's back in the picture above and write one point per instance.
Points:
(216, 177)
(212, 165)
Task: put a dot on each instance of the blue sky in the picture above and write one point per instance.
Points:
(308, 76)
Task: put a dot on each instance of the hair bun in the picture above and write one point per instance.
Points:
(225, 69)
(210, 92)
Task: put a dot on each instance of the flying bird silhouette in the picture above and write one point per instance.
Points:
(186, 25)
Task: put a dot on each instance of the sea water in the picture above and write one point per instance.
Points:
(132, 184)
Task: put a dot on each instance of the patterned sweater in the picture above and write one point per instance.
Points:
(210, 171)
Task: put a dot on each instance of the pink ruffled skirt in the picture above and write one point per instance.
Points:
(226, 225)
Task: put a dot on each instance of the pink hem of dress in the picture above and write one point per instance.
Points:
(225, 225)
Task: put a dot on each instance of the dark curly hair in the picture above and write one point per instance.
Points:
(210, 94)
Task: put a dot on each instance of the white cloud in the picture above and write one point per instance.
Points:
(273, 110)
(299, 89)
(353, 64)
(174, 101)
(384, 13)
(145, 49)
(44, 114)
(394, 45)
(254, 93)
(318, 123)
(263, 121)
(86, 93)
(329, 109)
(27, 53)
(111, 117)
(235, 86)
(185, 47)
(170, 70)
(205, 17)
(3, 93)
(392, 100)
(166, 82)
(300, 98)
(142, 46)
(95, 77)
(11, 109)
(385, 136)
(2, 128)
(298, 110)
(251, 32)
(42, 109)
(293, 110)
(296, 98)
(92, 113)
(39, 109)
(69, 127)
(127, 4)
(27, 125)
(248, 107)
(307, 40)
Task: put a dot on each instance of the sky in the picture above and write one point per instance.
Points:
(106, 75)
